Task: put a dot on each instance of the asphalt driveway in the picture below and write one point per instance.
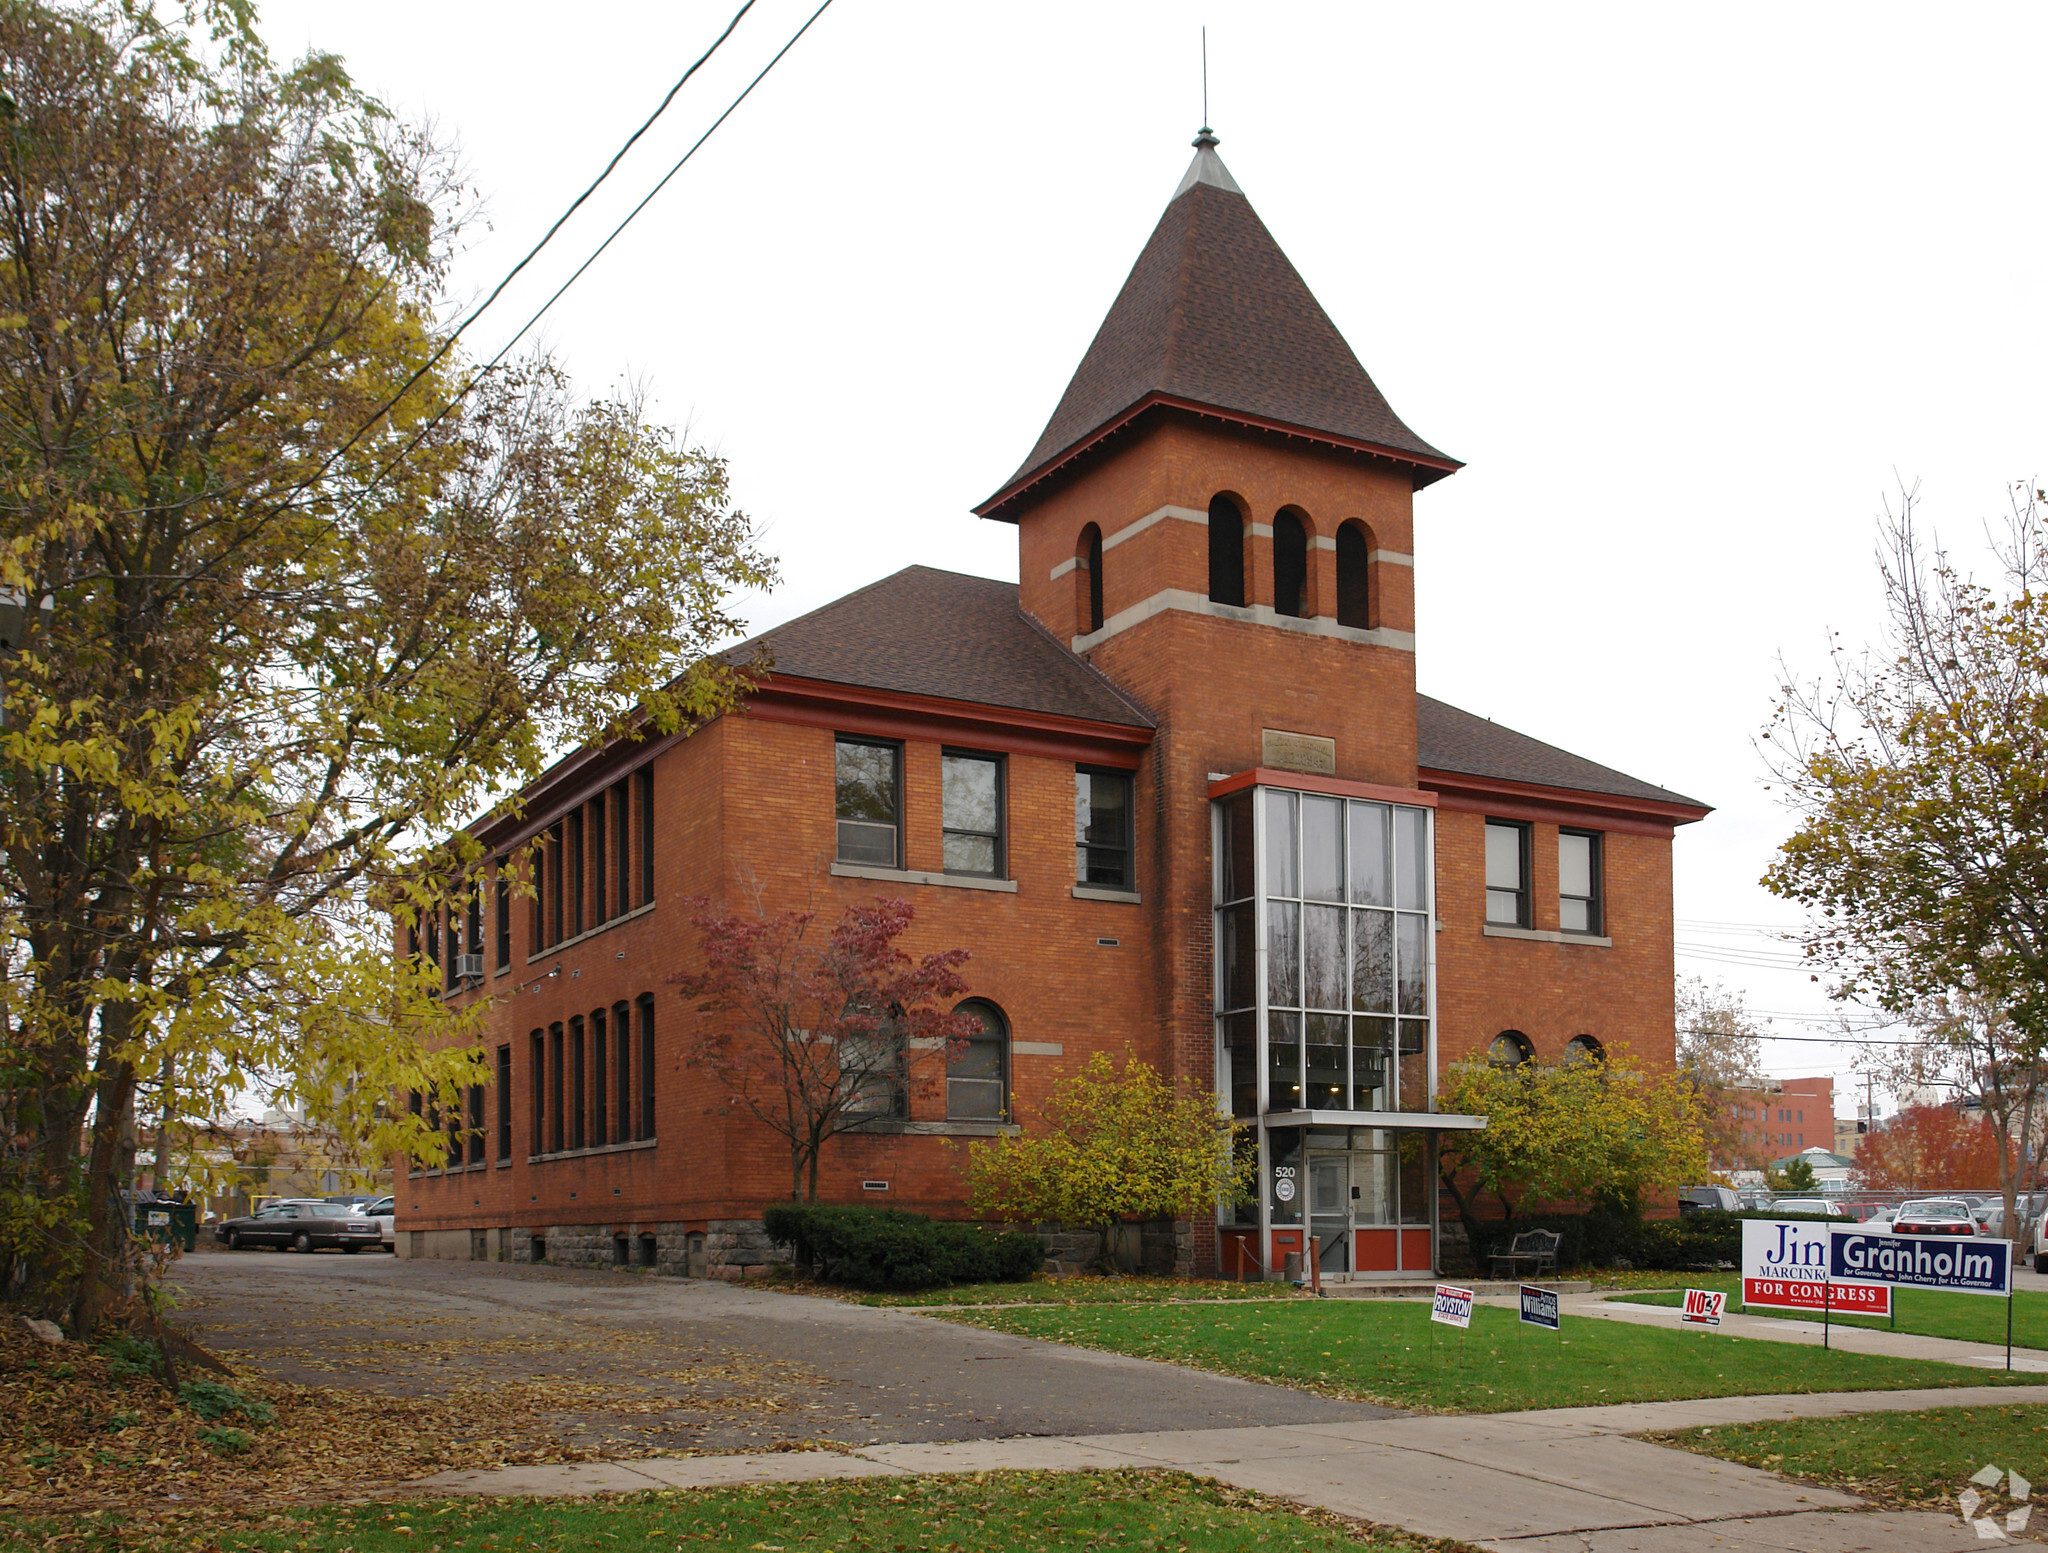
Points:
(620, 1363)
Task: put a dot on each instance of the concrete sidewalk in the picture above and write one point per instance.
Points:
(1771, 1329)
(1565, 1480)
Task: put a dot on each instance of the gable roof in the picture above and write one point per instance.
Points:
(944, 634)
(1214, 316)
(1447, 739)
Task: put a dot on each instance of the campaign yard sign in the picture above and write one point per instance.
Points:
(1539, 1307)
(1960, 1264)
(1452, 1306)
(1785, 1267)
(1702, 1307)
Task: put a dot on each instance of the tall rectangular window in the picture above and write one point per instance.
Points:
(556, 1116)
(453, 1122)
(505, 1102)
(536, 1082)
(555, 903)
(646, 1067)
(600, 900)
(502, 913)
(475, 946)
(536, 908)
(1102, 829)
(622, 1043)
(1507, 873)
(1578, 881)
(622, 846)
(971, 814)
(868, 802)
(645, 778)
(600, 1130)
(477, 1121)
(572, 888)
(577, 1135)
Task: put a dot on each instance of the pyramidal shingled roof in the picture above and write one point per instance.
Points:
(1213, 315)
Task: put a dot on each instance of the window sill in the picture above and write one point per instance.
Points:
(913, 876)
(608, 1148)
(539, 955)
(942, 1129)
(1545, 936)
(1089, 892)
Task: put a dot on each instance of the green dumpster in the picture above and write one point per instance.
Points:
(168, 1222)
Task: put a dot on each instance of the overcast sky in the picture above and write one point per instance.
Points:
(1690, 291)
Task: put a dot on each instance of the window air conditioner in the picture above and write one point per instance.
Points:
(468, 965)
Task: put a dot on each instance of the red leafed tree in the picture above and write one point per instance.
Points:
(1928, 1148)
(817, 1038)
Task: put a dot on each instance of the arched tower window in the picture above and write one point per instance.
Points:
(1088, 562)
(1226, 552)
(1354, 577)
(1290, 563)
(978, 1080)
(1510, 1049)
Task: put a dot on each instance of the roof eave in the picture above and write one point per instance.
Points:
(1423, 469)
(1506, 793)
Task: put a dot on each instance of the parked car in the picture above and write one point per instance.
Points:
(1934, 1216)
(303, 1225)
(380, 1214)
(1691, 1199)
(1815, 1205)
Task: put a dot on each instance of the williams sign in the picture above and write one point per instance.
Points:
(1965, 1266)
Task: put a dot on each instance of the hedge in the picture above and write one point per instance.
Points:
(1612, 1238)
(886, 1248)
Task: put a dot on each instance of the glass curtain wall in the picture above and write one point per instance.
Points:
(1324, 988)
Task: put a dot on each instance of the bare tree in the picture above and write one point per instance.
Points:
(1919, 771)
(1720, 1053)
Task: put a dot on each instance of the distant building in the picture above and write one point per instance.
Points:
(1793, 1113)
(1829, 1169)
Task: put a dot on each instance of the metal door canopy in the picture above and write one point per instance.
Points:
(1962, 1266)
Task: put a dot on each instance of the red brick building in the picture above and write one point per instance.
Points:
(1784, 1117)
(1175, 791)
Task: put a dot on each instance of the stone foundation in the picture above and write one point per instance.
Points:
(1159, 1248)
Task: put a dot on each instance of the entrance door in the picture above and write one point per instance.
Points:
(1329, 1209)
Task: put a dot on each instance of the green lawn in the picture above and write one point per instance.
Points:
(1084, 1291)
(1389, 1351)
(1926, 1312)
(1896, 1458)
(1104, 1512)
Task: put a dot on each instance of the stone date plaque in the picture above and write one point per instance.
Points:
(1303, 752)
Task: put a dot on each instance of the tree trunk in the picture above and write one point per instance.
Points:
(102, 1277)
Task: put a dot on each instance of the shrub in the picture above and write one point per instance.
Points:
(225, 1442)
(133, 1358)
(886, 1248)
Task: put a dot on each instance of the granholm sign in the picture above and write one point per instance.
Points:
(1962, 1266)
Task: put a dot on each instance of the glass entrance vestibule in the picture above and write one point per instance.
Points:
(1325, 1024)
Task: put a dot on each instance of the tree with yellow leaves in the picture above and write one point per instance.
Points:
(1116, 1145)
(1595, 1132)
(281, 605)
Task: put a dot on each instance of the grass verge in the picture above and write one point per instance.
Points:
(1105, 1512)
(1924, 1312)
(1389, 1351)
(1904, 1460)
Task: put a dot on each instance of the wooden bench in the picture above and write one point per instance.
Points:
(1532, 1254)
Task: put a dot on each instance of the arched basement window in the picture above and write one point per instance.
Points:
(1510, 1049)
(1584, 1048)
(1088, 559)
(1354, 576)
(1226, 553)
(1290, 563)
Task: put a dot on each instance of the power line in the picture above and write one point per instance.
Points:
(538, 313)
(482, 307)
